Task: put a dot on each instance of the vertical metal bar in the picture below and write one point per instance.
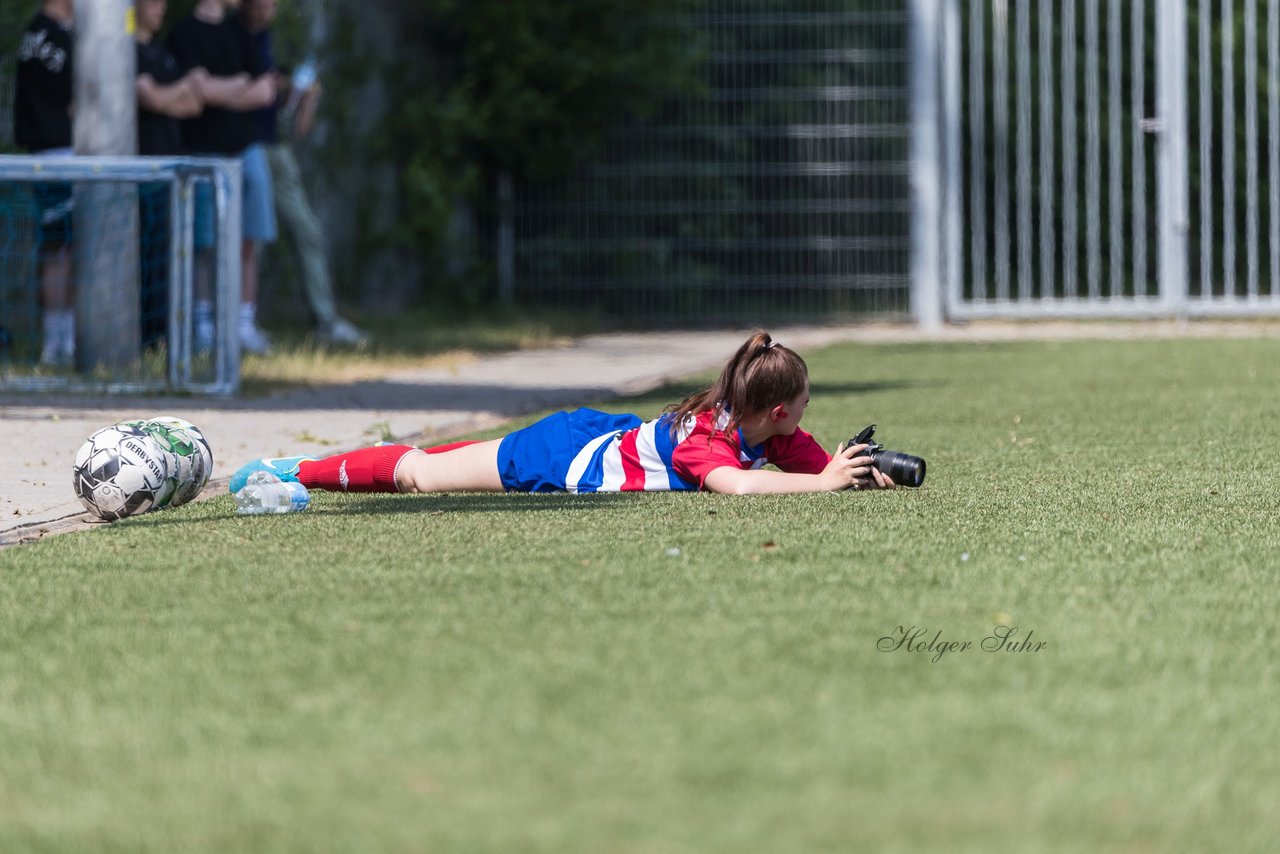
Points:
(175, 329)
(1115, 153)
(951, 129)
(228, 182)
(1093, 151)
(188, 272)
(1000, 139)
(926, 166)
(1171, 101)
(1023, 96)
(1138, 109)
(1046, 149)
(978, 148)
(1251, 147)
(1273, 144)
(1070, 213)
(1228, 149)
(1204, 135)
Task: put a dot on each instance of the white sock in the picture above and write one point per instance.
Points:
(248, 315)
(51, 322)
(204, 311)
(59, 327)
(68, 331)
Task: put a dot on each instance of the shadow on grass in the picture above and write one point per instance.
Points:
(393, 396)
(476, 502)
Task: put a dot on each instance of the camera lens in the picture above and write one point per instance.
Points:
(903, 469)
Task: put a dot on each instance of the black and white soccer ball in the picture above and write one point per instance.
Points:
(120, 471)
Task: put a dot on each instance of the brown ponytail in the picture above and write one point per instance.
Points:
(760, 375)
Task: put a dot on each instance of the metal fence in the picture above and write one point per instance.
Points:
(1105, 157)
(781, 190)
(134, 242)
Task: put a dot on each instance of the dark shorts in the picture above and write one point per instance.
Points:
(537, 458)
(53, 204)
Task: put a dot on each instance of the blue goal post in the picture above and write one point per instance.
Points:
(119, 274)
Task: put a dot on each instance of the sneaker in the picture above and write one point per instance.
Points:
(59, 350)
(254, 340)
(343, 332)
(285, 468)
(54, 355)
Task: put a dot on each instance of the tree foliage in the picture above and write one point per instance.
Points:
(528, 87)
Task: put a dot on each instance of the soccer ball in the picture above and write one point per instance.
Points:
(191, 453)
(120, 471)
(177, 452)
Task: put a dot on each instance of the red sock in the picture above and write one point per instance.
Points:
(440, 449)
(365, 470)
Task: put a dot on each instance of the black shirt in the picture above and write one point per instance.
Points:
(265, 120)
(42, 94)
(224, 50)
(158, 133)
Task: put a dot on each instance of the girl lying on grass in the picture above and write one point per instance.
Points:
(718, 439)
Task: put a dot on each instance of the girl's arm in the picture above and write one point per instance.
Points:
(845, 470)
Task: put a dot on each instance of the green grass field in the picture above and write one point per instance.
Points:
(544, 673)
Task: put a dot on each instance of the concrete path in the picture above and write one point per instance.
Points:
(39, 434)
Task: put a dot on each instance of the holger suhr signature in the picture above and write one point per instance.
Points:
(917, 639)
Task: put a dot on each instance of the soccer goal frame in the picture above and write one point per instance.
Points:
(218, 372)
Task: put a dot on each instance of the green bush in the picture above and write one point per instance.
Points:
(527, 87)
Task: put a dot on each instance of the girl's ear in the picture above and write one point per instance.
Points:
(778, 413)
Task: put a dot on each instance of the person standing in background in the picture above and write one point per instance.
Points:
(42, 109)
(237, 84)
(166, 94)
(296, 105)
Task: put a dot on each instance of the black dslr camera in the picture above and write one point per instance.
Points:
(903, 469)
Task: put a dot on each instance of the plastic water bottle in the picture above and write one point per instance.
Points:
(263, 492)
(304, 76)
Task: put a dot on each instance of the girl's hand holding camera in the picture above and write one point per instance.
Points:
(850, 469)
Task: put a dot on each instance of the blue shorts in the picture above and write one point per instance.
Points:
(257, 211)
(258, 220)
(537, 458)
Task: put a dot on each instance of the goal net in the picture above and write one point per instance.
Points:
(119, 274)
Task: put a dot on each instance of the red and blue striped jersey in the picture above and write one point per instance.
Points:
(652, 457)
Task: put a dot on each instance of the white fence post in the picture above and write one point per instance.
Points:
(927, 166)
(953, 257)
(1171, 105)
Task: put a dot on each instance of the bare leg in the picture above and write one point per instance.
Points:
(248, 272)
(57, 296)
(204, 274)
(473, 468)
(55, 279)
